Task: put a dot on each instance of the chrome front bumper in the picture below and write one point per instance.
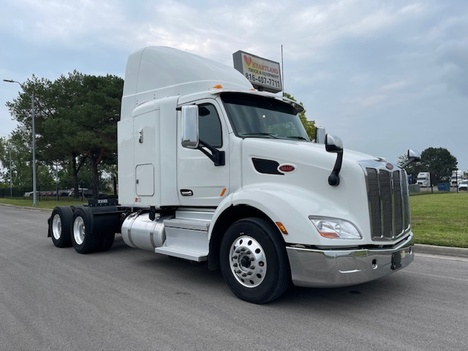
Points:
(337, 268)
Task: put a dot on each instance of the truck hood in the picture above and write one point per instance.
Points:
(298, 171)
(302, 156)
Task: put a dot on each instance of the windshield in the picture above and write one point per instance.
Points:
(262, 117)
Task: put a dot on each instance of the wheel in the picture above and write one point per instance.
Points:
(60, 226)
(254, 262)
(83, 237)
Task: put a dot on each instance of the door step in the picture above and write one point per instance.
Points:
(186, 238)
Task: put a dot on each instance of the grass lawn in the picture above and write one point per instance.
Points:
(440, 219)
(437, 219)
(47, 203)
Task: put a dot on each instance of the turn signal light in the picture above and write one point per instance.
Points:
(282, 228)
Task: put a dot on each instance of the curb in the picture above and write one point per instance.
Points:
(28, 208)
(441, 250)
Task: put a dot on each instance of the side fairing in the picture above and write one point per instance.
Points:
(147, 156)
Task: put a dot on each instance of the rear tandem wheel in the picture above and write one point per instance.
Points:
(60, 223)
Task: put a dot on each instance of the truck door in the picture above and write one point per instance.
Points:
(199, 181)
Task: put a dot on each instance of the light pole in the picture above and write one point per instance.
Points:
(33, 140)
(11, 179)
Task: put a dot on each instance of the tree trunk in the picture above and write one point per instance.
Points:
(76, 193)
(96, 157)
(75, 170)
(94, 168)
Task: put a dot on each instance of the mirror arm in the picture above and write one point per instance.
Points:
(413, 156)
(334, 145)
(407, 163)
(334, 177)
(218, 157)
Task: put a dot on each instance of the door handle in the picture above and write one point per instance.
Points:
(186, 192)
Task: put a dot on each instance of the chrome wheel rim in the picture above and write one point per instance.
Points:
(79, 230)
(57, 227)
(247, 261)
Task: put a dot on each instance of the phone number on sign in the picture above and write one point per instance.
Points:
(263, 80)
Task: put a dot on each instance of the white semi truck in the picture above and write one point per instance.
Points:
(424, 179)
(212, 170)
(456, 178)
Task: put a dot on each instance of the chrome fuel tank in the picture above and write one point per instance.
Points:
(139, 231)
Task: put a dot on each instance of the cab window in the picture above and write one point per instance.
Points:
(209, 125)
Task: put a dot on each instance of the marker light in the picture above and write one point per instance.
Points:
(282, 228)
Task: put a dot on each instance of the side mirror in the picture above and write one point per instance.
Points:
(333, 144)
(190, 135)
(413, 156)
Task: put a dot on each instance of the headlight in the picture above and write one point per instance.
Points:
(335, 228)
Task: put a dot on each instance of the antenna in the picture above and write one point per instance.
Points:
(282, 68)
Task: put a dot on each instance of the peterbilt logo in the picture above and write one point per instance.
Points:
(389, 166)
(286, 168)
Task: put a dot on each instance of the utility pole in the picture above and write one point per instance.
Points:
(33, 141)
(11, 178)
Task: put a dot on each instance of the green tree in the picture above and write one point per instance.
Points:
(5, 161)
(308, 125)
(15, 155)
(88, 110)
(440, 162)
(76, 123)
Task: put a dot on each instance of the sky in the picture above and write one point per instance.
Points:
(383, 75)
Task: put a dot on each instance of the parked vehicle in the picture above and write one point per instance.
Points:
(212, 170)
(457, 177)
(463, 186)
(424, 179)
(82, 192)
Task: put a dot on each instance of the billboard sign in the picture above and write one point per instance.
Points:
(262, 73)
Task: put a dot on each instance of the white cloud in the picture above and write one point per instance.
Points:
(351, 62)
(395, 85)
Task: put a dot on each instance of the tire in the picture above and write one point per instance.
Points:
(83, 237)
(60, 223)
(254, 262)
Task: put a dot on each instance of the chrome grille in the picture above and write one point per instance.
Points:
(388, 202)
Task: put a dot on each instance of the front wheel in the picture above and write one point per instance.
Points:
(254, 262)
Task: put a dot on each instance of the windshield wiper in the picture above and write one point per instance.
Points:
(298, 137)
(259, 135)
